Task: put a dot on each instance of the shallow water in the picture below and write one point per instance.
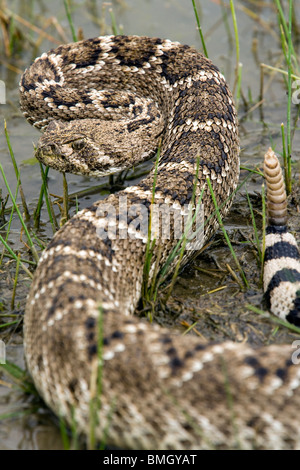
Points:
(33, 427)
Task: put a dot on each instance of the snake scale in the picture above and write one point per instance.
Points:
(104, 104)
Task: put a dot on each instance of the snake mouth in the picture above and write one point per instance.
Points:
(50, 154)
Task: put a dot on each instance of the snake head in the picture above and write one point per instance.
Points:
(71, 147)
(98, 147)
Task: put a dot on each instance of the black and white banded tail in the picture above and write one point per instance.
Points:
(282, 260)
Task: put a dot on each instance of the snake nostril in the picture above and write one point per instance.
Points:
(45, 149)
(50, 148)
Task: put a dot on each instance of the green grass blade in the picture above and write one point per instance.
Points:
(276, 320)
(44, 191)
(12, 305)
(114, 26)
(5, 325)
(257, 241)
(150, 243)
(238, 66)
(183, 240)
(289, 139)
(71, 24)
(264, 226)
(200, 29)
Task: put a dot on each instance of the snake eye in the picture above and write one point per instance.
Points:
(78, 144)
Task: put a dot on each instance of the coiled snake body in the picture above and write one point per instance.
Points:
(158, 390)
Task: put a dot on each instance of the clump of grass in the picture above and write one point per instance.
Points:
(238, 68)
(44, 192)
(15, 257)
(184, 239)
(292, 73)
(264, 226)
(18, 188)
(149, 294)
(286, 34)
(16, 208)
(19, 377)
(225, 234)
(30, 242)
(11, 34)
(255, 230)
(17, 172)
(258, 244)
(150, 243)
(15, 29)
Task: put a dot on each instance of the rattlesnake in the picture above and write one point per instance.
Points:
(159, 390)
